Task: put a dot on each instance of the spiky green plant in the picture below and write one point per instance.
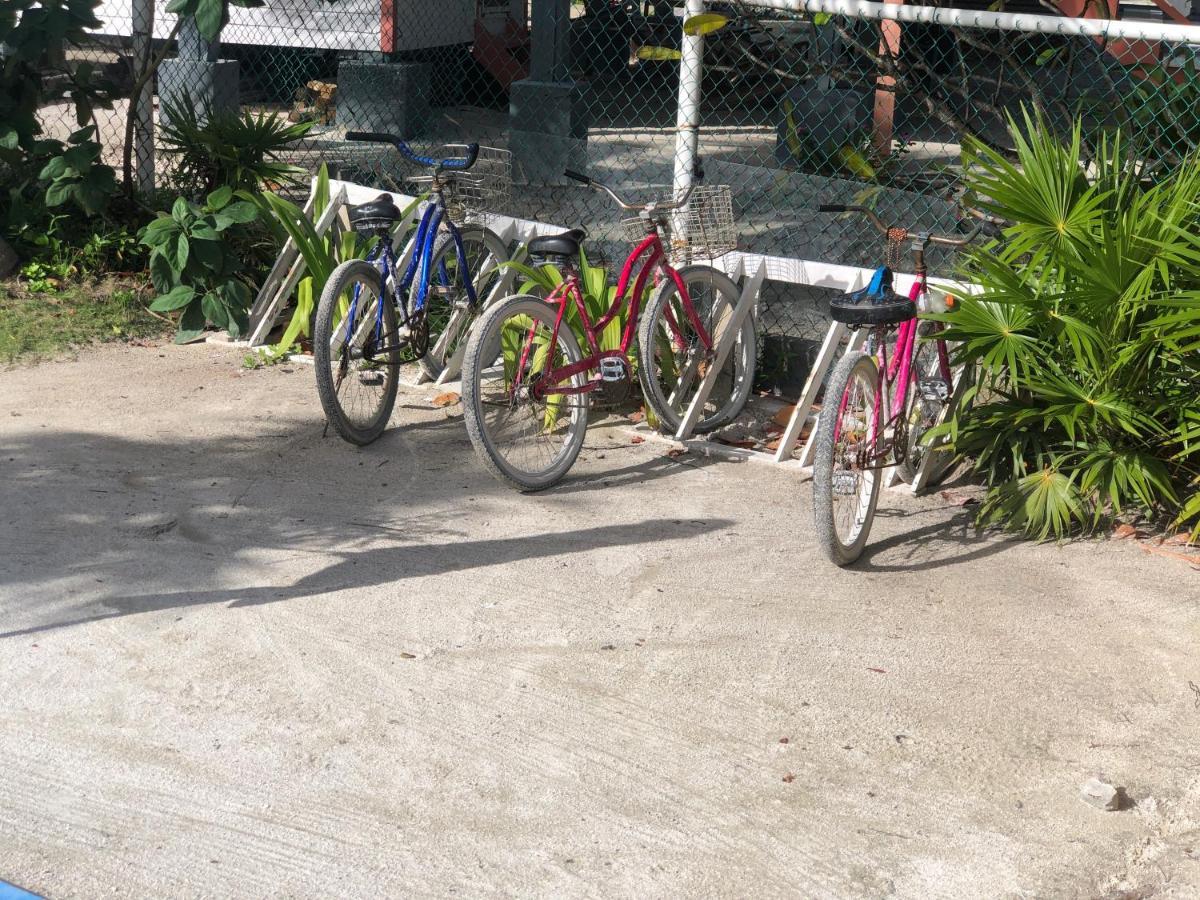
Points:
(1086, 335)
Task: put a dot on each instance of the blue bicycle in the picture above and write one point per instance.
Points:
(372, 317)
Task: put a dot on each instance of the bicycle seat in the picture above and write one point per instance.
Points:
(378, 213)
(876, 304)
(561, 246)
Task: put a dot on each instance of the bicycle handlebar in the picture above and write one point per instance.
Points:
(454, 162)
(698, 173)
(883, 228)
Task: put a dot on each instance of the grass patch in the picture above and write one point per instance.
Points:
(37, 326)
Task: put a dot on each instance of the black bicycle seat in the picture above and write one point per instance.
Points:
(876, 304)
(565, 245)
(380, 212)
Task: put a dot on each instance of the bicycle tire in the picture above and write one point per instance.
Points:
(860, 367)
(731, 392)
(482, 395)
(332, 375)
(924, 414)
(448, 335)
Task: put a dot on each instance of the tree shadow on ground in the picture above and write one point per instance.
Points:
(389, 565)
(178, 514)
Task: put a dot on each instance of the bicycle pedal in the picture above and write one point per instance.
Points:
(934, 389)
(613, 368)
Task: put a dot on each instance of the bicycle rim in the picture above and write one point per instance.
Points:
(846, 477)
(526, 434)
(359, 366)
(674, 359)
(447, 306)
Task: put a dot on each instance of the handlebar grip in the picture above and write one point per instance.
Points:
(371, 136)
(831, 207)
(464, 163)
(576, 176)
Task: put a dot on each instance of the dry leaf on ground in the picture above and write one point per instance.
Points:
(447, 399)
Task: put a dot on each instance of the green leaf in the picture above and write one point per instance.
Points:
(660, 54)
(704, 23)
(176, 251)
(59, 192)
(55, 168)
(214, 309)
(210, 16)
(191, 324)
(219, 198)
(821, 18)
(176, 298)
(240, 213)
(162, 276)
(181, 211)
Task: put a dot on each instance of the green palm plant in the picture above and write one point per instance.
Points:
(1086, 334)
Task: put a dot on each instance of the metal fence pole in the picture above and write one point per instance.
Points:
(687, 121)
(143, 128)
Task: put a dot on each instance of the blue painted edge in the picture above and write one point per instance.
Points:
(12, 892)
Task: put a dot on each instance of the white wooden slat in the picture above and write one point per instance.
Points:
(725, 345)
(336, 200)
(857, 339)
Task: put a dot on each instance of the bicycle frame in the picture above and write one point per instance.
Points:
(893, 372)
(416, 273)
(655, 264)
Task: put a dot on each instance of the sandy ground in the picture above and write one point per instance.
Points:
(241, 659)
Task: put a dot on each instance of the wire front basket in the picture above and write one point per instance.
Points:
(482, 191)
(701, 230)
(704, 229)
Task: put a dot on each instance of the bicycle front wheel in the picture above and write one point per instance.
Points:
(526, 435)
(355, 341)
(673, 361)
(448, 311)
(845, 480)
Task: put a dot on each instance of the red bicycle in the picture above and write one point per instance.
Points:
(527, 384)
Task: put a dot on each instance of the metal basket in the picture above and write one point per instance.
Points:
(483, 190)
(703, 229)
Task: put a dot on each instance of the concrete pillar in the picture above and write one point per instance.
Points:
(198, 73)
(547, 111)
(392, 97)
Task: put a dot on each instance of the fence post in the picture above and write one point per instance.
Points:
(687, 120)
(143, 125)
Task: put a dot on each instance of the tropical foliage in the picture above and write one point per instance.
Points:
(212, 147)
(1086, 334)
(321, 253)
(193, 267)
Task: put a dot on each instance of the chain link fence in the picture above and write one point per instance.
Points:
(796, 108)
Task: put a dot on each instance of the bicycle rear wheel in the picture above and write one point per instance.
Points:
(356, 356)
(930, 396)
(845, 487)
(672, 361)
(448, 311)
(525, 438)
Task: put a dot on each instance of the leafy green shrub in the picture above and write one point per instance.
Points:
(1085, 334)
(193, 266)
(216, 147)
(37, 172)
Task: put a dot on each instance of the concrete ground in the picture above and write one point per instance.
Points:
(241, 659)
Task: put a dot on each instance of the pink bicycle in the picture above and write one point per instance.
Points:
(527, 385)
(883, 399)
